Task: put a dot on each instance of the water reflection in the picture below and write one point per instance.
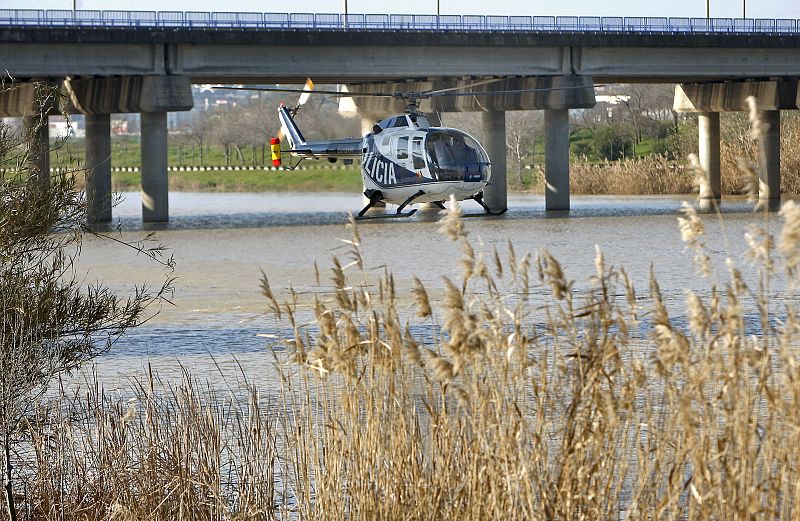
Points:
(249, 210)
(221, 242)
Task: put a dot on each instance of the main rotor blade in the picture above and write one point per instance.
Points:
(326, 92)
(515, 91)
(410, 95)
(437, 92)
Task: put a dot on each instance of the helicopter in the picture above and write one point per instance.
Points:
(405, 160)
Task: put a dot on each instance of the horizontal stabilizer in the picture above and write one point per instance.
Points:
(344, 148)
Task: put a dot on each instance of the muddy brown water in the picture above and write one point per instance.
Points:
(222, 242)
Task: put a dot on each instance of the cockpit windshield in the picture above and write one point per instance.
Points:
(455, 156)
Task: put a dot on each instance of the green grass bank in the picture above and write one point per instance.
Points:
(311, 180)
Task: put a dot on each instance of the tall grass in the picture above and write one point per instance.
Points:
(656, 175)
(651, 174)
(511, 391)
(170, 451)
(561, 407)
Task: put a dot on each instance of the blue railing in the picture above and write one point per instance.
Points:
(390, 22)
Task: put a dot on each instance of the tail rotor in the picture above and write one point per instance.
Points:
(282, 132)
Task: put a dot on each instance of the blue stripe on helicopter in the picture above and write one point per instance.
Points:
(386, 173)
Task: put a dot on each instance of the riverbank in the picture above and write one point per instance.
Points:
(651, 175)
(306, 180)
(648, 176)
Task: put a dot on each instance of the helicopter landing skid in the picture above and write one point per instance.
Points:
(386, 215)
(399, 213)
(478, 198)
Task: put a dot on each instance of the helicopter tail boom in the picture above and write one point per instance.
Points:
(334, 148)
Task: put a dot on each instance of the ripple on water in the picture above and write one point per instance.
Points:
(190, 210)
(222, 241)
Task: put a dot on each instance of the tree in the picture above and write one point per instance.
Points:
(522, 128)
(645, 103)
(613, 141)
(52, 322)
(198, 131)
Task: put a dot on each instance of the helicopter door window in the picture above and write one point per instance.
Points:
(402, 148)
(416, 153)
(384, 145)
(401, 121)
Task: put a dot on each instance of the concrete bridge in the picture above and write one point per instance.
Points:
(117, 61)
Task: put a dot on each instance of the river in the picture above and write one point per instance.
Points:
(222, 242)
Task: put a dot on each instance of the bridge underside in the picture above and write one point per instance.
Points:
(154, 96)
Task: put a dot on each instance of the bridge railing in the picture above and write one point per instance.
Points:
(612, 24)
(591, 23)
(786, 26)
(232, 19)
(197, 19)
(276, 20)
(170, 18)
(393, 22)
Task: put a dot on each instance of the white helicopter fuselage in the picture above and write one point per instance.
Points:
(405, 160)
(435, 191)
(401, 162)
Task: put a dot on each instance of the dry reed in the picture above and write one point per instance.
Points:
(656, 175)
(562, 409)
(497, 402)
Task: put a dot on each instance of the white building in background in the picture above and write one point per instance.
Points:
(61, 128)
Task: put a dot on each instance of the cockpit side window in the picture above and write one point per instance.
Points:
(402, 148)
(384, 144)
(416, 153)
(400, 121)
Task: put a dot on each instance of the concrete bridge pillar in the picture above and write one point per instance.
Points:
(494, 132)
(98, 167)
(556, 159)
(155, 180)
(771, 96)
(37, 135)
(710, 188)
(152, 96)
(769, 186)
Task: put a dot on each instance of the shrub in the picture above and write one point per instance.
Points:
(53, 322)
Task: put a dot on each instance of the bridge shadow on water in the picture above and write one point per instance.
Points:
(231, 211)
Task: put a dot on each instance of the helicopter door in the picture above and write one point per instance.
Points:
(401, 152)
(417, 156)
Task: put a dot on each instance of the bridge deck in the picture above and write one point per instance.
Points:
(334, 48)
(383, 22)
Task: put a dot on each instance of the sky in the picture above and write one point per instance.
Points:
(686, 8)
